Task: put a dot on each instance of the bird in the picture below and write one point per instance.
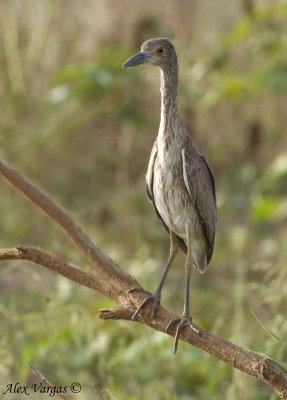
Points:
(179, 182)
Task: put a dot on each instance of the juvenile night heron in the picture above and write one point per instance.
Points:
(179, 181)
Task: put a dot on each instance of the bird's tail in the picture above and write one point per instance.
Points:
(199, 256)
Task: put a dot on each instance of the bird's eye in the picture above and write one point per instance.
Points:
(159, 50)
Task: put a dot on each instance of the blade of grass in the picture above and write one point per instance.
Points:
(271, 333)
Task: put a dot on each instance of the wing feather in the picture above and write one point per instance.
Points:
(200, 185)
(150, 173)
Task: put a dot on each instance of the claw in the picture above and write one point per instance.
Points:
(149, 298)
(182, 323)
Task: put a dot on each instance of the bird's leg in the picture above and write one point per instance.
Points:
(186, 319)
(156, 296)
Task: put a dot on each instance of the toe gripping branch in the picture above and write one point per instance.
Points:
(181, 323)
(155, 298)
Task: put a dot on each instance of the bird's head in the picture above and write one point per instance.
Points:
(158, 52)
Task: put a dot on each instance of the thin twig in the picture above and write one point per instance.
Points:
(44, 380)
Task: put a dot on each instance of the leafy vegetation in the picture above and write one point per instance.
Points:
(82, 128)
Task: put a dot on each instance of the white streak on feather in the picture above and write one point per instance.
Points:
(184, 172)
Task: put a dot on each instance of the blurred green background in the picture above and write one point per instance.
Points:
(82, 128)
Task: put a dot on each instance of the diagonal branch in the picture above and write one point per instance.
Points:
(44, 380)
(117, 284)
(104, 264)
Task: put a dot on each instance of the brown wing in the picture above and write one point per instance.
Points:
(149, 190)
(200, 184)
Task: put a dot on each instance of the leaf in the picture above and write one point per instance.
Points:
(271, 333)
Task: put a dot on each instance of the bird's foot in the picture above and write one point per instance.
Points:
(181, 323)
(156, 302)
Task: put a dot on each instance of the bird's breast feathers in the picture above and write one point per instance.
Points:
(173, 203)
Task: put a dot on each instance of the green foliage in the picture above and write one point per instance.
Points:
(251, 57)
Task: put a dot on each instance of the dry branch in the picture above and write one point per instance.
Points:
(117, 285)
(44, 380)
(56, 265)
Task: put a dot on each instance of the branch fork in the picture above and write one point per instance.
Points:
(111, 281)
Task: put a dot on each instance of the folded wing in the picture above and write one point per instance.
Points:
(199, 182)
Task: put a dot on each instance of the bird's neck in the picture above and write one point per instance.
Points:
(169, 107)
(168, 87)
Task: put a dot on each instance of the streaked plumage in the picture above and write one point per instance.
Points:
(179, 181)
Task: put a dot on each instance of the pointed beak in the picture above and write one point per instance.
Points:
(137, 59)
